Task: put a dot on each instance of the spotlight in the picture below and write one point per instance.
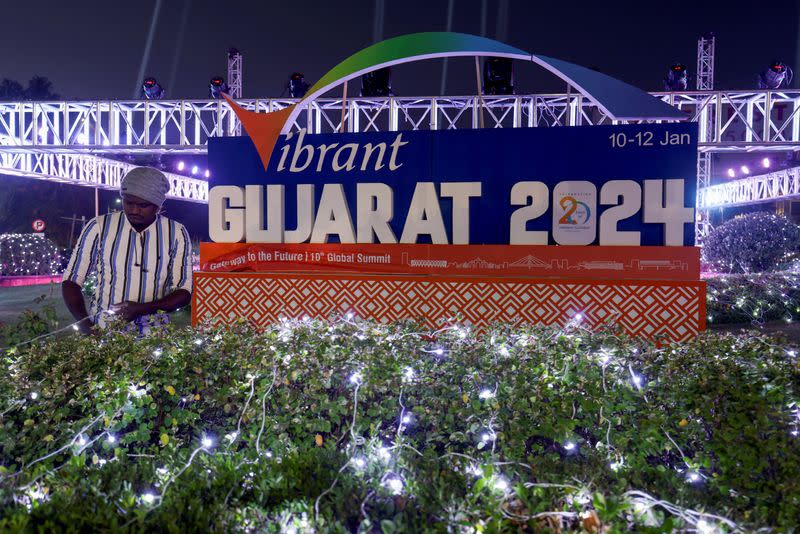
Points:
(208, 173)
(677, 78)
(181, 165)
(745, 169)
(776, 76)
(195, 169)
(765, 163)
(732, 173)
(152, 89)
(498, 76)
(297, 85)
(217, 86)
(377, 83)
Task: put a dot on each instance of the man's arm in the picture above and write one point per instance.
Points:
(84, 256)
(73, 298)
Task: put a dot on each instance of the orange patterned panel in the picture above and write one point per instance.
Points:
(673, 309)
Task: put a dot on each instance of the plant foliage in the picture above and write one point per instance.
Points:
(352, 426)
(752, 243)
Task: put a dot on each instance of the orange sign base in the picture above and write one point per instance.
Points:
(675, 309)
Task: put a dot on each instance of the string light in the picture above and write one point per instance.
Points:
(486, 394)
(356, 378)
(207, 442)
(394, 483)
(500, 483)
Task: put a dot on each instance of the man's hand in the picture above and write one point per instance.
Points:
(87, 328)
(128, 310)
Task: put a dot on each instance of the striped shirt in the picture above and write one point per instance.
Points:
(130, 265)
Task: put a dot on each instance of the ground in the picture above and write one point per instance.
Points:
(13, 300)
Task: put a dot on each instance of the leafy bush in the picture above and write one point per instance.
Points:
(28, 254)
(753, 298)
(356, 426)
(752, 243)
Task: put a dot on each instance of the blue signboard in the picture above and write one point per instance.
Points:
(595, 185)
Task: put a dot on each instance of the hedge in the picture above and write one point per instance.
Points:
(351, 426)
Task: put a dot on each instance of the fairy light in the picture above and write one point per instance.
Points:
(198, 341)
(394, 484)
(81, 440)
(406, 419)
(34, 395)
(207, 442)
(356, 378)
(409, 374)
(231, 437)
(704, 527)
(157, 353)
(384, 454)
(500, 483)
(359, 462)
(569, 446)
(693, 476)
(486, 394)
(111, 438)
(148, 498)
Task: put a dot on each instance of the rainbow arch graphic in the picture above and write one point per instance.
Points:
(615, 98)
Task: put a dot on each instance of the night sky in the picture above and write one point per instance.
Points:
(94, 48)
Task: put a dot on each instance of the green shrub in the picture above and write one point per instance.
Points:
(520, 429)
(753, 298)
(752, 243)
(28, 254)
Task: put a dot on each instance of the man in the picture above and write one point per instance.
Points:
(143, 260)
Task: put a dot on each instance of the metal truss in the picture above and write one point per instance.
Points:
(89, 170)
(768, 187)
(757, 120)
(234, 73)
(705, 62)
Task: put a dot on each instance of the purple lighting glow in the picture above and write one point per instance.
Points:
(731, 173)
(745, 169)
(765, 163)
(194, 169)
(181, 165)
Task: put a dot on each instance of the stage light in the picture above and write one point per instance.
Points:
(745, 169)
(181, 165)
(152, 89)
(195, 169)
(732, 173)
(776, 76)
(765, 163)
(217, 86)
(208, 173)
(498, 76)
(677, 78)
(297, 85)
(377, 83)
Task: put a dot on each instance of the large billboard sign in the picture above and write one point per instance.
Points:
(628, 185)
(537, 225)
